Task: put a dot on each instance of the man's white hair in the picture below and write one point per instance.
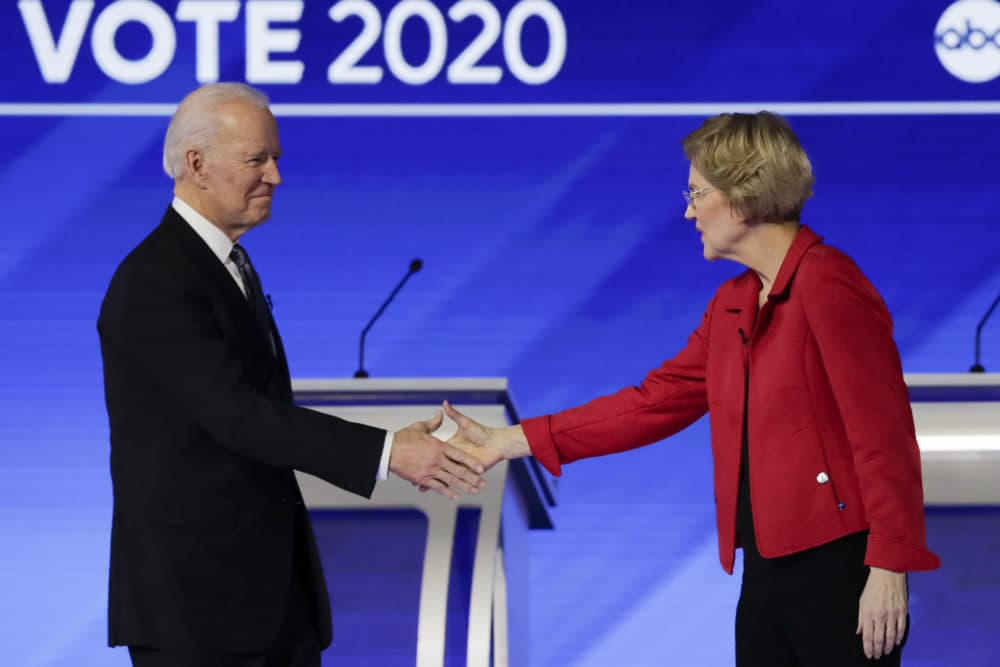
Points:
(195, 124)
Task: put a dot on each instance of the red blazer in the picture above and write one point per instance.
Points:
(830, 431)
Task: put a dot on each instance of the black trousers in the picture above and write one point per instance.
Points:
(803, 611)
(297, 644)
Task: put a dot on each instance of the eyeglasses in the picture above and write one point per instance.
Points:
(690, 196)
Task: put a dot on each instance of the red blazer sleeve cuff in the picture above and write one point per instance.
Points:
(543, 448)
(891, 554)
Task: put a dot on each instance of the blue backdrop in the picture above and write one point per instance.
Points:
(554, 245)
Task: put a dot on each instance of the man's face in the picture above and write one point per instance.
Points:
(241, 170)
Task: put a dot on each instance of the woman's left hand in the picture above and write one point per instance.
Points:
(882, 612)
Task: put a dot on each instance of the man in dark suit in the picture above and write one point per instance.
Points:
(213, 561)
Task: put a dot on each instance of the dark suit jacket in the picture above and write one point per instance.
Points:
(826, 395)
(204, 439)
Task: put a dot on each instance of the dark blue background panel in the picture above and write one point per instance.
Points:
(612, 52)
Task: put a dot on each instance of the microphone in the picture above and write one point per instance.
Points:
(415, 265)
(978, 367)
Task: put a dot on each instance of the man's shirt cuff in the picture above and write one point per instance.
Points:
(383, 464)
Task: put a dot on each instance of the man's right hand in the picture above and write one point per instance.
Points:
(425, 461)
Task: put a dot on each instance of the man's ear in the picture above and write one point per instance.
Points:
(195, 167)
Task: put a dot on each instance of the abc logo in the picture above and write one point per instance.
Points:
(967, 40)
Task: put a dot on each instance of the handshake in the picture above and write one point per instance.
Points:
(456, 465)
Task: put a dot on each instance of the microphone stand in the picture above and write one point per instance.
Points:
(415, 266)
(978, 367)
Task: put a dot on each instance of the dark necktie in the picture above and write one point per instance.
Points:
(255, 293)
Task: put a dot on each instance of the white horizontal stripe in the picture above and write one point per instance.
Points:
(938, 108)
(96, 109)
(986, 442)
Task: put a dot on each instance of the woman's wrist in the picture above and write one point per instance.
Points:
(512, 442)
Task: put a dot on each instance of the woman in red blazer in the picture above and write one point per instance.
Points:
(817, 471)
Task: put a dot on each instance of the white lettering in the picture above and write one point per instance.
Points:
(345, 68)
(465, 68)
(161, 53)
(207, 14)
(262, 41)
(56, 58)
(392, 41)
(556, 56)
(270, 50)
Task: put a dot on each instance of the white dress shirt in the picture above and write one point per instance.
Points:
(221, 246)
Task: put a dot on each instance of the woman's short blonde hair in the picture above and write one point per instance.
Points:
(756, 161)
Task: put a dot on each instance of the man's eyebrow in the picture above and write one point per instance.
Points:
(260, 154)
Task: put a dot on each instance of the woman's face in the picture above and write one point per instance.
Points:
(720, 227)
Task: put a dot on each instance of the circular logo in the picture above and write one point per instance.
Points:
(967, 40)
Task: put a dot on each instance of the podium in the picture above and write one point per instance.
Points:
(957, 418)
(471, 605)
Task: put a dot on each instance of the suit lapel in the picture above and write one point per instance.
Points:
(741, 300)
(741, 304)
(219, 283)
(192, 249)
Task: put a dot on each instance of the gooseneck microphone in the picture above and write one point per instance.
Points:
(415, 265)
(978, 367)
